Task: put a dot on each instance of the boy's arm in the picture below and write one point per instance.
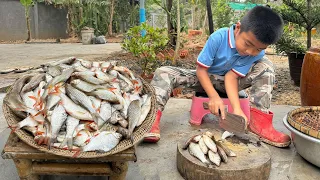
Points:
(215, 102)
(231, 84)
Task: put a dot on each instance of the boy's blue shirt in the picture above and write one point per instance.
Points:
(220, 54)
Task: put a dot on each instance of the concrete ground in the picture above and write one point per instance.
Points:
(26, 55)
(158, 161)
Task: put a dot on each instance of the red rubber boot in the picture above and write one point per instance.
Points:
(261, 124)
(154, 134)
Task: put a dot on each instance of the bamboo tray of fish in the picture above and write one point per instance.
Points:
(78, 108)
(214, 155)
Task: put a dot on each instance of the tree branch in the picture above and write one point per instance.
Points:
(292, 5)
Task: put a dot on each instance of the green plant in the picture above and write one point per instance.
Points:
(146, 46)
(288, 43)
(222, 14)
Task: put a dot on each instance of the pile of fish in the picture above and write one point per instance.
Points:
(207, 149)
(74, 103)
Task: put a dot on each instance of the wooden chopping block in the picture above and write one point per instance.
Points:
(252, 162)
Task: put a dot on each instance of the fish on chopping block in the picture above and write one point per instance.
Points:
(214, 158)
(210, 143)
(195, 150)
(103, 142)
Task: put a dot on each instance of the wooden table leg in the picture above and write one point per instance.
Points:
(24, 168)
(120, 169)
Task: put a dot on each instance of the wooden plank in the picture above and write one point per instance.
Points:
(16, 149)
(72, 169)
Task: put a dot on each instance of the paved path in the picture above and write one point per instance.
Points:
(26, 55)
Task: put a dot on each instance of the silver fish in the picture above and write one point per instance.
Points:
(194, 150)
(106, 66)
(203, 146)
(72, 123)
(226, 134)
(130, 84)
(78, 67)
(138, 86)
(53, 99)
(86, 76)
(85, 86)
(29, 99)
(96, 102)
(68, 60)
(82, 138)
(214, 158)
(134, 113)
(210, 143)
(48, 78)
(145, 110)
(82, 99)
(65, 147)
(73, 109)
(65, 66)
(106, 94)
(222, 154)
(59, 116)
(105, 77)
(28, 121)
(197, 138)
(105, 112)
(124, 70)
(54, 70)
(104, 141)
(87, 64)
(33, 83)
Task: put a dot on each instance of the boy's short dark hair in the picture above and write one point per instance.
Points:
(264, 23)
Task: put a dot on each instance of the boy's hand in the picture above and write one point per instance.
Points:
(216, 104)
(241, 113)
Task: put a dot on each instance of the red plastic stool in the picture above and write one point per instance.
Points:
(197, 111)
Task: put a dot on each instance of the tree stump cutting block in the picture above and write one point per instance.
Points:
(251, 162)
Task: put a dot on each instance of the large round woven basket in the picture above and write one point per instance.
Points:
(124, 144)
(306, 120)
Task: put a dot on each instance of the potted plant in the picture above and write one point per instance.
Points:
(295, 51)
(306, 14)
(145, 46)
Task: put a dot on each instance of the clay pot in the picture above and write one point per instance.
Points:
(295, 64)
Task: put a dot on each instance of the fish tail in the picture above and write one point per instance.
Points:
(13, 128)
(67, 141)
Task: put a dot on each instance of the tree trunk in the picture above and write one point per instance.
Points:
(210, 16)
(308, 38)
(111, 17)
(176, 52)
(170, 26)
(28, 23)
(192, 16)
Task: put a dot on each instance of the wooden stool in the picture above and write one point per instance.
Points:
(31, 163)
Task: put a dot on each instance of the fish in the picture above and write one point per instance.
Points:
(197, 138)
(28, 121)
(78, 67)
(83, 100)
(195, 150)
(59, 116)
(29, 99)
(85, 86)
(115, 117)
(210, 143)
(30, 129)
(68, 60)
(106, 94)
(61, 136)
(203, 146)
(103, 142)
(65, 66)
(65, 147)
(105, 77)
(226, 149)
(145, 110)
(188, 141)
(134, 113)
(54, 98)
(86, 76)
(72, 123)
(33, 83)
(138, 86)
(222, 154)
(105, 113)
(48, 78)
(54, 70)
(106, 66)
(88, 126)
(96, 103)
(87, 64)
(226, 134)
(123, 122)
(73, 109)
(116, 85)
(65, 75)
(214, 158)
(124, 70)
(209, 134)
(82, 138)
(127, 85)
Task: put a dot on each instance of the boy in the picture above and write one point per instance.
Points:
(232, 60)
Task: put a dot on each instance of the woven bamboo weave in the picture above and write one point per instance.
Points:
(306, 120)
(124, 144)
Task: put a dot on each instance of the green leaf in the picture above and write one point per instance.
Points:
(26, 3)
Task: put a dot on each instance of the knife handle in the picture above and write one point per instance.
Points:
(205, 105)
